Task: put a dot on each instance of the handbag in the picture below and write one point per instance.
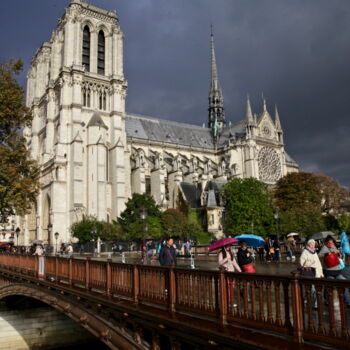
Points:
(307, 271)
(248, 268)
(331, 260)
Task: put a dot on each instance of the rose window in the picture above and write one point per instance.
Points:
(269, 165)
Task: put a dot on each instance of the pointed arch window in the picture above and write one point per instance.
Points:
(86, 49)
(101, 53)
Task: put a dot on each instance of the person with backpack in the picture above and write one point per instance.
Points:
(333, 266)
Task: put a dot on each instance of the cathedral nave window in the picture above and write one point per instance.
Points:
(102, 101)
(148, 185)
(101, 53)
(86, 97)
(86, 49)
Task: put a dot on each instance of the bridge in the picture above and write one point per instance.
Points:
(132, 306)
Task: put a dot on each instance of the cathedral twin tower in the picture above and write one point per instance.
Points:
(94, 154)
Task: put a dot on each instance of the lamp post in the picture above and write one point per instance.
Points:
(18, 230)
(94, 232)
(275, 215)
(143, 216)
(49, 230)
(56, 237)
(252, 224)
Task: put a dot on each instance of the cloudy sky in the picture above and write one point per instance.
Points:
(297, 53)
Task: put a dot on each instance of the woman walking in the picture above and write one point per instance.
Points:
(245, 260)
(227, 260)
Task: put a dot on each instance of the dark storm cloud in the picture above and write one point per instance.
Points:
(296, 52)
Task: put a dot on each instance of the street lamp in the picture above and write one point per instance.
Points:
(49, 230)
(94, 232)
(275, 215)
(143, 216)
(18, 230)
(56, 237)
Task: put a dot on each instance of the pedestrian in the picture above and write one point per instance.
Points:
(269, 249)
(187, 248)
(291, 245)
(245, 260)
(62, 248)
(167, 254)
(276, 247)
(310, 266)
(261, 252)
(38, 250)
(227, 260)
(332, 265)
(69, 250)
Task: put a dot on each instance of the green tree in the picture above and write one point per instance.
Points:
(334, 196)
(84, 229)
(174, 222)
(343, 222)
(19, 174)
(299, 198)
(247, 201)
(131, 222)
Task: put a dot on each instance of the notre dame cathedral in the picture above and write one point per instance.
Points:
(94, 154)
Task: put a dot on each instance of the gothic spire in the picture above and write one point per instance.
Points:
(264, 102)
(277, 119)
(216, 100)
(214, 70)
(249, 114)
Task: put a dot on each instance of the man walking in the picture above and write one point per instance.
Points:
(167, 254)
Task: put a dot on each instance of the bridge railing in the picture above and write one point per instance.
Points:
(304, 308)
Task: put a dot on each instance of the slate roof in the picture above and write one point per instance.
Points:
(96, 120)
(289, 159)
(235, 131)
(211, 201)
(192, 194)
(153, 129)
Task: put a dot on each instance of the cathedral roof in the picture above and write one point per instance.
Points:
(234, 131)
(96, 120)
(192, 194)
(289, 159)
(153, 129)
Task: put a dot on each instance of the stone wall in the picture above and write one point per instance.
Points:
(40, 328)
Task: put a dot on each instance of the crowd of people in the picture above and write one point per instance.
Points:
(324, 261)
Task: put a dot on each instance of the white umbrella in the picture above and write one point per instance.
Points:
(292, 234)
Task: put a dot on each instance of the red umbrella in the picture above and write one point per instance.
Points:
(222, 243)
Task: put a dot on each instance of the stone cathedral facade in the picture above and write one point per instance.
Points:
(94, 154)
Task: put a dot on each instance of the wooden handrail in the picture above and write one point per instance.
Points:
(280, 303)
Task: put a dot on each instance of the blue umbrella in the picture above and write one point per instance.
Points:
(251, 240)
